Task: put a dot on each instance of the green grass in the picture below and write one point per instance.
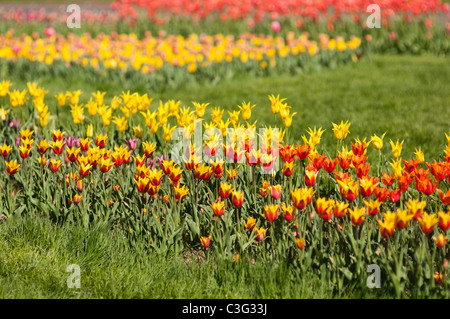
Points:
(35, 253)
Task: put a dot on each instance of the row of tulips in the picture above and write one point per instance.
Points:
(157, 53)
(330, 213)
(258, 10)
(254, 12)
(20, 16)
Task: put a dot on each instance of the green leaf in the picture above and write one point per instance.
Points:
(193, 227)
(347, 273)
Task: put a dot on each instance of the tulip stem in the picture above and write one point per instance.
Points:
(220, 232)
(238, 220)
(329, 181)
(379, 164)
(254, 182)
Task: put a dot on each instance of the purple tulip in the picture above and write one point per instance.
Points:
(132, 143)
(72, 141)
(15, 123)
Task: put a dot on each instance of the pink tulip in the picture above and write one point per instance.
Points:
(275, 26)
(49, 31)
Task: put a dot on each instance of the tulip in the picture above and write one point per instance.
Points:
(318, 161)
(420, 157)
(302, 151)
(340, 209)
(428, 222)
(153, 190)
(54, 165)
(84, 169)
(42, 161)
(310, 177)
(275, 103)
(359, 148)
(237, 197)
(324, 208)
(217, 168)
(396, 148)
(264, 190)
(167, 166)
(315, 135)
(367, 186)
(25, 134)
(416, 208)
(5, 150)
(288, 169)
(387, 228)
(12, 167)
(105, 165)
(100, 140)
(275, 191)
(330, 165)
(203, 172)
(341, 131)
(357, 215)
(166, 198)
(218, 207)
(84, 144)
(24, 151)
(72, 153)
(58, 146)
(444, 220)
(387, 180)
(301, 197)
(300, 242)
(57, 135)
(426, 186)
(348, 189)
(438, 170)
(246, 110)
(402, 218)
(250, 223)
(275, 26)
(411, 166)
(288, 212)
(373, 207)
(225, 190)
(377, 142)
(271, 212)
(381, 193)
(77, 198)
(441, 240)
(438, 277)
(42, 147)
(260, 233)
(149, 148)
(205, 241)
(344, 161)
(394, 195)
(175, 174)
(181, 193)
